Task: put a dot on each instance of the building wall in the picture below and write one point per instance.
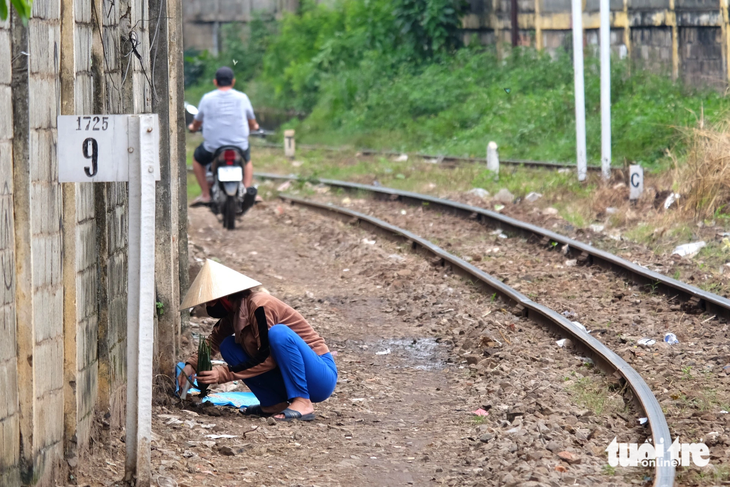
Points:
(63, 246)
(687, 39)
(202, 19)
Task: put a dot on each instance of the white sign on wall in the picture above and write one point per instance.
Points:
(93, 148)
(636, 182)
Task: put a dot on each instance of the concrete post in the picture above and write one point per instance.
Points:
(538, 26)
(289, 144)
(143, 133)
(177, 137)
(636, 182)
(23, 261)
(514, 23)
(167, 102)
(725, 33)
(605, 34)
(627, 29)
(70, 367)
(493, 158)
(111, 235)
(578, 86)
(671, 20)
(9, 413)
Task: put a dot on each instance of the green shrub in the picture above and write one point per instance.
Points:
(393, 74)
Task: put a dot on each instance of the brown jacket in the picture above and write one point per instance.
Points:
(244, 324)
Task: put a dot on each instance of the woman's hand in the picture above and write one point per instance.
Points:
(182, 379)
(209, 376)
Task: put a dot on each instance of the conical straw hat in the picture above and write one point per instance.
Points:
(215, 281)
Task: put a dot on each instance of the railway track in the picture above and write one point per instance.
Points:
(602, 356)
(451, 160)
(584, 253)
(694, 300)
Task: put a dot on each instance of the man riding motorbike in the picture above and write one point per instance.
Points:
(229, 118)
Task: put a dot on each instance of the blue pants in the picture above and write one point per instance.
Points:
(300, 371)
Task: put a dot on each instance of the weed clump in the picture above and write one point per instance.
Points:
(703, 179)
(204, 363)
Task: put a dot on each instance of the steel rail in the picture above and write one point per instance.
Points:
(588, 254)
(602, 356)
(441, 158)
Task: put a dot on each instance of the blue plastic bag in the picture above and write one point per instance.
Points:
(234, 399)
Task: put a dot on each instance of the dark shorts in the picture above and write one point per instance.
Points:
(202, 156)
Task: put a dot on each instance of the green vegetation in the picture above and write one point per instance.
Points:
(393, 74)
(593, 393)
(204, 364)
(479, 419)
(242, 51)
(22, 7)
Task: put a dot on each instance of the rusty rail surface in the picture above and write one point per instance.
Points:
(602, 356)
(586, 254)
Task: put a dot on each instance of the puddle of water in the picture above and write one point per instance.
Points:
(412, 353)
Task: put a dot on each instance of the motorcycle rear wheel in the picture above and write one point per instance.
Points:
(229, 213)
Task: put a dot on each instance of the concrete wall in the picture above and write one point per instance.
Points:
(203, 18)
(684, 38)
(63, 247)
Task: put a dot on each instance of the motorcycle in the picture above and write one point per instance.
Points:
(228, 196)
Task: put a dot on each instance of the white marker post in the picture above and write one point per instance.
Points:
(605, 34)
(636, 182)
(493, 158)
(101, 148)
(289, 145)
(580, 104)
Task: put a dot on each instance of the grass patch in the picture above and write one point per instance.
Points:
(593, 393)
(417, 175)
(193, 188)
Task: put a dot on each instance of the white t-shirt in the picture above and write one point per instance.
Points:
(225, 116)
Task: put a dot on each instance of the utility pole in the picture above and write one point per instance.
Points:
(605, 35)
(580, 106)
(515, 29)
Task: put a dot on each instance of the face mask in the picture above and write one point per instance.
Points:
(217, 310)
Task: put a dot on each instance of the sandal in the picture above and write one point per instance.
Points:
(255, 411)
(290, 414)
(199, 201)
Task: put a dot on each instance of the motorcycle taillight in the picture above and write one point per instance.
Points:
(230, 157)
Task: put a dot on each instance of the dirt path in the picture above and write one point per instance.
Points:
(417, 351)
